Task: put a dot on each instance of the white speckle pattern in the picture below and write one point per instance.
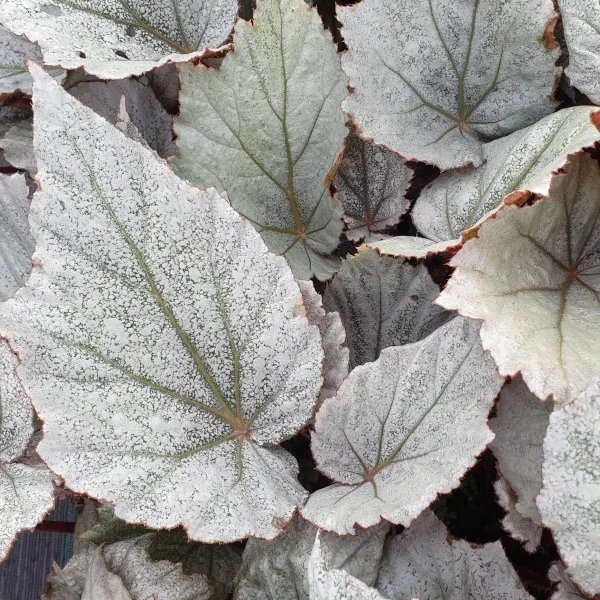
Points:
(371, 183)
(434, 79)
(153, 302)
(272, 127)
(26, 492)
(403, 429)
(423, 562)
(113, 39)
(383, 302)
(533, 277)
(570, 498)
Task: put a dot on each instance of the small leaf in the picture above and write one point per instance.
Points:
(403, 429)
(570, 499)
(18, 147)
(450, 209)
(164, 347)
(101, 584)
(383, 302)
(333, 336)
(581, 22)
(566, 589)
(423, 562)
(435, 79)
(532, 276)
(268, 127)
(279, 569)
(26, 492)
(371, 183)
(520, 427)
(113, 40)
(109, 529)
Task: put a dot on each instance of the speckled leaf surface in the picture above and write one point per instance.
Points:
(18, 147)
(14, 52)
(570, 498)
(16, 241)
(532, 276)
(117, 38)
(26, 492)
(271, 129)
(333, 338)
(423, 562)
(279, 569)
(435, 79)
(162, 344)
(520, 426)
(566, 590)
(458, 201)
(330, 583)
(371, 183)
(581, 22)
(146, 113)
(403, 429)
(383, 302)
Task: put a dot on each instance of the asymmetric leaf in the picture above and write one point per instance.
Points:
(268, 127)
(458, 201)
(520, 427)
(279, 569)
(570, 499)
(18, 147)
(435, 79)
(422, 562)
(403, 429)
(581, 22)
(333, 583)
(26, 492)
(533, 277)
(162, 344)
(371, 183)
(16, 241)
(117, 38)
(145, 111)
(333, 336)
(383, 302)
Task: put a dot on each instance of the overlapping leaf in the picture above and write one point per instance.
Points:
(26, 492)
(371, 183)
(117, 38)
(422, 562)
(162, 344)
(268, 127)
(403, 429)
(533, 276)
(566, 590)
(18, 147)
(457, 202)
(570, 498)
(434, 79)
(383, 302)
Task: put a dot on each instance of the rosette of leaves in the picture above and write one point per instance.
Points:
(403, 429)
(270, 131)
(114, 39)
(435, 79)
(167, 351)
(532, 276)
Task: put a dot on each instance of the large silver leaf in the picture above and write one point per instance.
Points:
(570, 498)
(279, 569)
(267, 127)
(383, 302)
(533, 277)
(581, 22)
(451, 208)
(423, 562)
(26, 492)
(403, 429)
(117, 38)
(16, 241)
(371, 183)
(434, 79)
(520, 427)
(162, 344)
